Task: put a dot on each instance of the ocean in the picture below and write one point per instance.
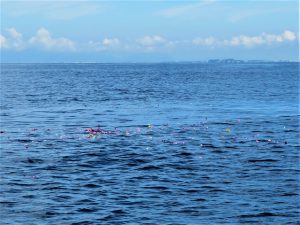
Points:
(160, 143)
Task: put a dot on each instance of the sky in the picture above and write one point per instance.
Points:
(148, 31)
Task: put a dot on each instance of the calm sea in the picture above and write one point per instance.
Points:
(169, 143)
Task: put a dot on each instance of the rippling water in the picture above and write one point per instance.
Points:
(178, 143)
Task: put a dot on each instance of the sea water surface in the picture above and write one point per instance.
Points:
(167, 143)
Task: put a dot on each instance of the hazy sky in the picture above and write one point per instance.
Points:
(147, 31)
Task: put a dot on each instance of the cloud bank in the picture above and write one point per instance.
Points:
(43, 40)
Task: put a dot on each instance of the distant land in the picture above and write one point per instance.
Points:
(244, 61)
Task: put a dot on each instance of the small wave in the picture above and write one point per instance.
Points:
(150, 167)
(263, 214)
(261, 160)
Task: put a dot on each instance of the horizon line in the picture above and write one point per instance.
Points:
(212, 61)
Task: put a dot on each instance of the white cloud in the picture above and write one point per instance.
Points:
(94, 46)
(3, 41)
(263, 39)
(105, 44)
(14, 33)
(247, 41)
(150, 43)
(152, 40)
(289, 35)
(13, 40)
(209, 41)
(110, 42)
(43, 39)
(244, 40)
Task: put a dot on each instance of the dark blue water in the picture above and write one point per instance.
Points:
(170, 143)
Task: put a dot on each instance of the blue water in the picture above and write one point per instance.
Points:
(181, 143)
